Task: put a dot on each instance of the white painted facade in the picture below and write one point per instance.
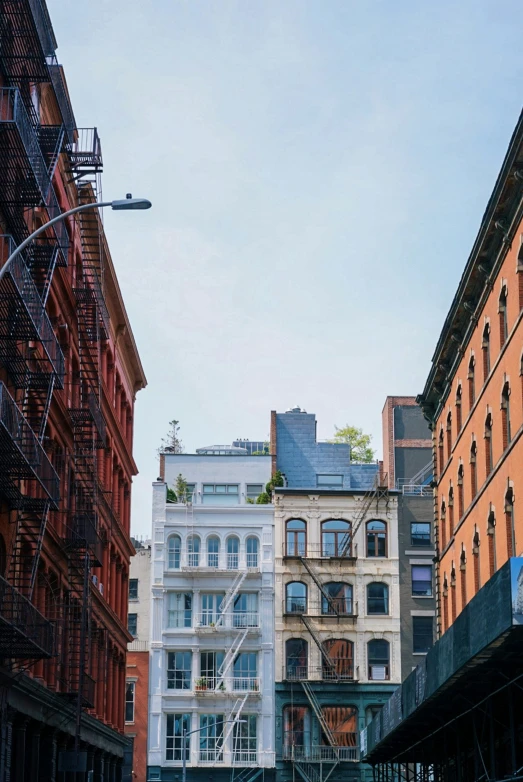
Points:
(212, 615)
(357, 571)
(140, 570)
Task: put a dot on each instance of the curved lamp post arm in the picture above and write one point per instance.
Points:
(128, 203)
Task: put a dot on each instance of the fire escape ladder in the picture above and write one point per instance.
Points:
(317, 640)
(230, 656)
(230, 595)
(312, 572)
(307, 771)
(247, 774)
(319, 714)
(232, 719)
(378, 491)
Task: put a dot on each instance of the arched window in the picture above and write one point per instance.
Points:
(453, 592)
(296, 538)
(503, 317)
(233, 553)
(174, 546)
(342, 723)
(449, 435)
(252, 552)
(296, 659)
(296, 731)
(509, 523)
(443, 518)
(295, 598)
(485, 347)
(463, 576)
(505, 415)
(461, 502)
(213, 551)
(472, 383)
(451, 511)
(473, 470)
(488, 444)
(377, 598)
(378, 655)
(458, 408)
(336, 538)
(338, 660)
(339, 601)
(376, 538)
(193, 550)
(491, 533)
(441, 455)
(475, 554)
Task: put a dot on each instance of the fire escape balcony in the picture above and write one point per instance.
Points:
(90, 413)
(23, 174)
(24, 632)
(85, 152)
(27, 39)
(87, 686)
(23, 458)
(82, 535)
(23, 317)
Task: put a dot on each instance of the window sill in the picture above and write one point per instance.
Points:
(419, 654)
(422, 597)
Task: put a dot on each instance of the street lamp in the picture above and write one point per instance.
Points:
(125, 203)
(184, 745)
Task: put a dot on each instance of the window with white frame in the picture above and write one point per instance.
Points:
(132, 624)
(245, 740)
(179, 670)
(233, 553)
(174, 547)
(213, 551)
(211, 738)
(193, 550)
(221, 494)
(245, 672)
(176, 724)
(129, 701)
(253, 491)
(245, 611)
(252, 552)
(211, 603)
(133, 589)
(179, 609)
(210, 663)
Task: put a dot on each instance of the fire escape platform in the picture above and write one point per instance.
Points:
(23, 316)
(21, 455)
(24, 632)
(479, 654)
(29, 39)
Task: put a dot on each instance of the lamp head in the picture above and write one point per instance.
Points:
(131, 203)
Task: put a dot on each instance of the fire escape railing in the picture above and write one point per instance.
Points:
(21, 455)
(36, 189)
(32, 321)
(24, 632)
(27, 40)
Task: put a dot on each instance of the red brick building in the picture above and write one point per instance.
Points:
(69, 373)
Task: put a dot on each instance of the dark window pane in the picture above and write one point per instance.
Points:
(132, 624)
(133, 589)
(422, 633)
(420, 533)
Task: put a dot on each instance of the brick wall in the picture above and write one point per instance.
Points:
(138, 671)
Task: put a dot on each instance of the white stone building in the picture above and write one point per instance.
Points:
(212, 618)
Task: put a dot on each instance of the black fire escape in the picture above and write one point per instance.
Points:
(31, 360)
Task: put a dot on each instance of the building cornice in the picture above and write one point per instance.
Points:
(495, 236)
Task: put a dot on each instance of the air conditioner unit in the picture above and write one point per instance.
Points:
(95, 580)
(101, 588)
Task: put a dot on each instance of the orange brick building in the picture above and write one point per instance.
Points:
(474, 401)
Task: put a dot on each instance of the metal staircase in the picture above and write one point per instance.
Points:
(311, 571)
(229, 658)
(317, 640)
(232, 719)
(378, 491)
(230, 595)
(319, 714)
(247, 774)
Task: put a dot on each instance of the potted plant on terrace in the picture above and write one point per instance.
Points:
(201, 683)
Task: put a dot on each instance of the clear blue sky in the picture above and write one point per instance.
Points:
(318, 172)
